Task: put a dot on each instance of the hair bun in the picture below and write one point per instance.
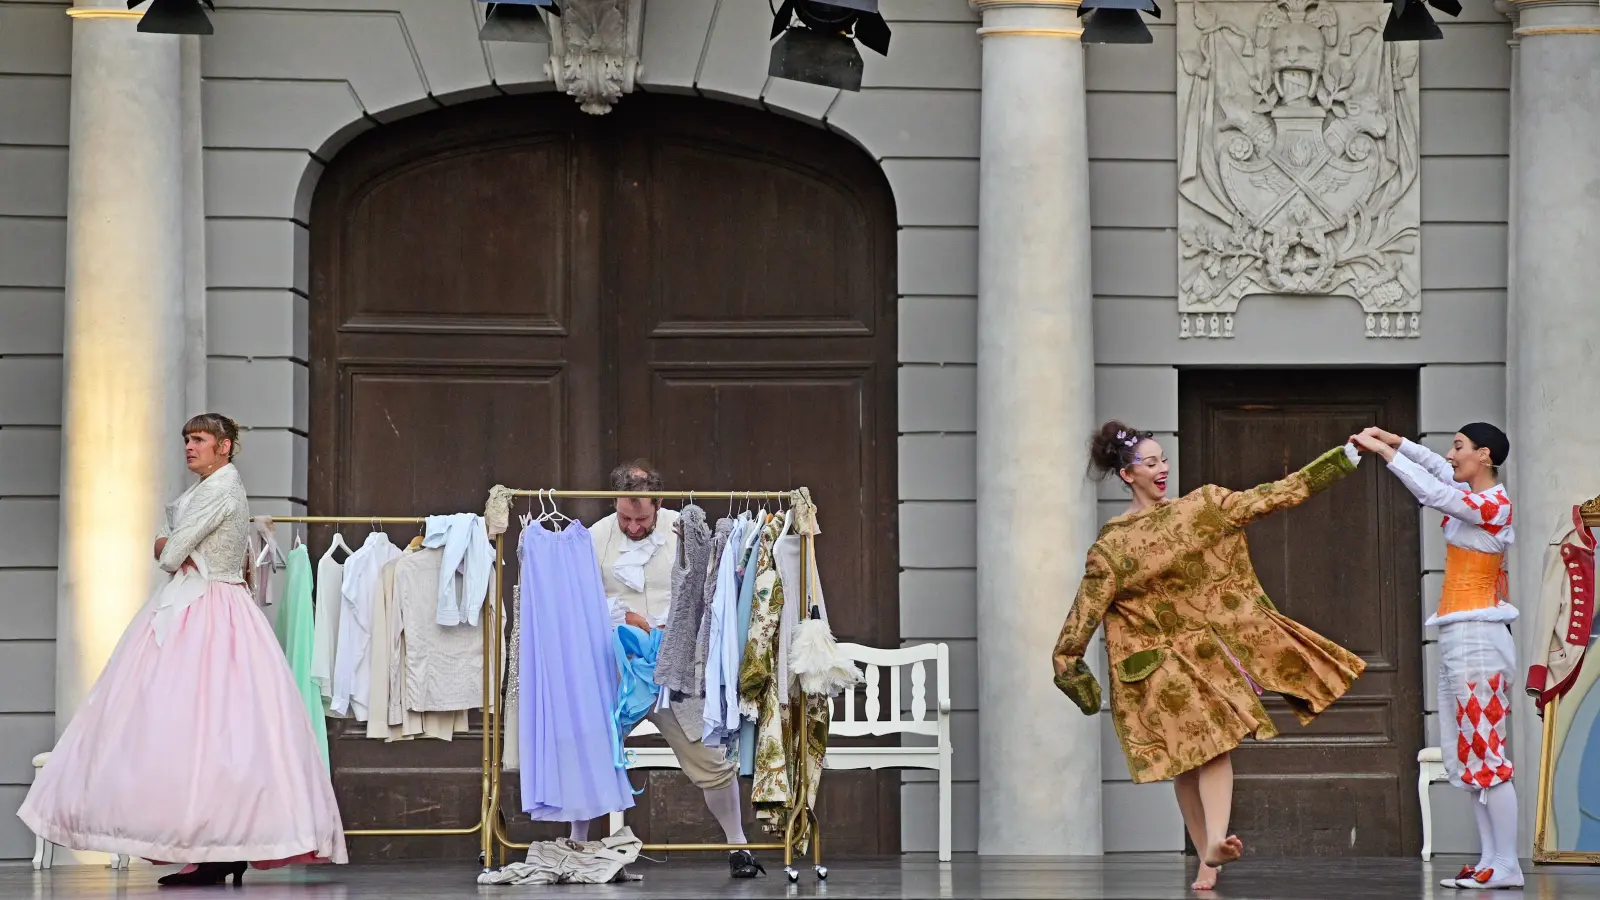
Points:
(1111, 447)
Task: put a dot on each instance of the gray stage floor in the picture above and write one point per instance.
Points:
(1135, 877)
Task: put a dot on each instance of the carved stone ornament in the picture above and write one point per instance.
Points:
(594, 51)
(1298, 161)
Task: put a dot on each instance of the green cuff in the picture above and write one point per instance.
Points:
(1328, 468)
(1081, 688)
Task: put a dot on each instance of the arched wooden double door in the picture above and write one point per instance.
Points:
(514, 292)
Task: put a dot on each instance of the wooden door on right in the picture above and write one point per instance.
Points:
(1346, 564)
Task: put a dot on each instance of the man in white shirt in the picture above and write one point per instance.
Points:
(637, 547)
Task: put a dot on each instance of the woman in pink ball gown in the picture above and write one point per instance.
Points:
(194, 746)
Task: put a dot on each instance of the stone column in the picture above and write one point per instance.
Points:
(1553, 329)
(123, 349)
(1038, 756)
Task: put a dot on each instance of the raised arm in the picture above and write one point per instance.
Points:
(1243, 507)
(1449, 497)
(1095, 593)
(1431, 462)
(206, 510)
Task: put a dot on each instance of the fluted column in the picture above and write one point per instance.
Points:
(1553, 328)
(1039, 758)
(124, 354)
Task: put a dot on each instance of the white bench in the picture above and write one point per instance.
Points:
(1430, 768)
(876, 719)
(44, 852)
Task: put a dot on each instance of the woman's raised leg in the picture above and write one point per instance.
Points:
(1216, 800)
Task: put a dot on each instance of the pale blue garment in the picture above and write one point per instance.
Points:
(747, 592)
(467, 552)
(721, 715)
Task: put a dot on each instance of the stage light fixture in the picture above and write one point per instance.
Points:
(821, 48)
(1116, 21)
(517, 21)
(1409, 20)
(175, 16)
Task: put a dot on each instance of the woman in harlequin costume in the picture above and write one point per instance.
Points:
(1476, 653)
(1192, 639)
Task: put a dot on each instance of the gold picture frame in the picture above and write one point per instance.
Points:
(1543, 854)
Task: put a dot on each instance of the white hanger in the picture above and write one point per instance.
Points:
(338, 543)
(554, 515)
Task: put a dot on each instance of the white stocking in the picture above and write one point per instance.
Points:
(724, 804)
(1485, 832)
(580, 831)
(1502, 803)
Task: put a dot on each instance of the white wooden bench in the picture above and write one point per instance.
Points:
(1430, 768)
(877, 718)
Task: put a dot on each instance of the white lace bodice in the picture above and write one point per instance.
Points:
(210, 523)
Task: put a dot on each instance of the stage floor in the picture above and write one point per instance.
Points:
(1134, 877)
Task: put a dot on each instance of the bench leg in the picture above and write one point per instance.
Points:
(38, 853)
(944, 810)
(1425, 778)
(614, 824)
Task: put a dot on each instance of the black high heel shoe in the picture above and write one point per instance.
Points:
(206, 875)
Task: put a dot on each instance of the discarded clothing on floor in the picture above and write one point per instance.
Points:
(564, 861)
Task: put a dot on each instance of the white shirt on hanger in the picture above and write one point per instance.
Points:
(352, 664)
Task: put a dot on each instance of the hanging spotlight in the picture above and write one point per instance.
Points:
(517, 21)
(821, 49)
(1116, 21)
(1409, 20)
(175, 16)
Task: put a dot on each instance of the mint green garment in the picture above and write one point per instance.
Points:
(296, 628)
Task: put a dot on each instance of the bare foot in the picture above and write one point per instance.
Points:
(1205, 879)
(1228, 850)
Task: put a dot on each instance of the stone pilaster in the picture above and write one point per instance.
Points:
(124, 356)
(1553, 329)
(1039, 758)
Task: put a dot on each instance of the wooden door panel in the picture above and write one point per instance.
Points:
(408, 427)
(1344, 564)
(805, 246)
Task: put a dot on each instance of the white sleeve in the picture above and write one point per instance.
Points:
(619, 610)
(1446, 497)
(207, 508)
(1430, 461)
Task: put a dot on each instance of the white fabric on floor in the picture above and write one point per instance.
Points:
(564, 861)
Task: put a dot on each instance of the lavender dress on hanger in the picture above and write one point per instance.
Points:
(569, 681)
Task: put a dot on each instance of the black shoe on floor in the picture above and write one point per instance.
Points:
(743, 864)
(206, 875)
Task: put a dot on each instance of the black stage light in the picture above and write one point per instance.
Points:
(1409, 20)
(1116, 21)
(517, 21)
(175, 16)
(821, 49)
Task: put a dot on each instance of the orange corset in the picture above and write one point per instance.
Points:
(1472, 580)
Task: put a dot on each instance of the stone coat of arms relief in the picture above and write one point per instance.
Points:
(1297, 161)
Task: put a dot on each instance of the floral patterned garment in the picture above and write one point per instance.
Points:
(1189, 628)
(777, 753)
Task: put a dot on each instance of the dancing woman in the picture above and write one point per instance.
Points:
(1192, 639)
(194, 746)
(1477, 656)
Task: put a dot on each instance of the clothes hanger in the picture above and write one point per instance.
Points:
(416, 542)
(338, 544)
(556, 515)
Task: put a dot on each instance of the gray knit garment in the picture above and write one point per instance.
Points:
(675, 660)
(691, 709)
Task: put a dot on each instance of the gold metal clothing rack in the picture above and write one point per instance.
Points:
(495, 837)
(489, 680)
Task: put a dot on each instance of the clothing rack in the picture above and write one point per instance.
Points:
(489, 681)
(494, 835)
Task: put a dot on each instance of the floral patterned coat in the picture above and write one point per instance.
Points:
(1188, 627)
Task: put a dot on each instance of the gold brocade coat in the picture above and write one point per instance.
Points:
(1181, 602)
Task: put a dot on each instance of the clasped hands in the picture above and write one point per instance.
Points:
(1378, 442)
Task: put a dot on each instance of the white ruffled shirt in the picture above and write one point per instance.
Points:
(637, 575)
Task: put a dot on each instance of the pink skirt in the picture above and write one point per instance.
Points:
(195, 750)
